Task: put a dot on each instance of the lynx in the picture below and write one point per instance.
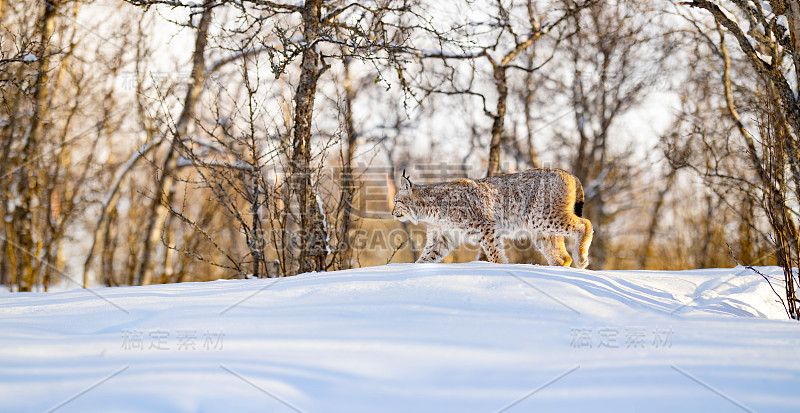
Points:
(544, 204)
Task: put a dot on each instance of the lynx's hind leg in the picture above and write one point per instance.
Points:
(437, 246)
(581, 233)
(553, 249)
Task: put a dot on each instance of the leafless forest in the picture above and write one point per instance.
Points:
(160, 141)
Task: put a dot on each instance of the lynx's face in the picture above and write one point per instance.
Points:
(404, 207)
(403, 204)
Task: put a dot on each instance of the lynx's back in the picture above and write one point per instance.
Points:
(539, 199)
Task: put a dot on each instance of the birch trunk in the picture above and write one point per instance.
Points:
(165, 191)
(24, 214)
(501, 84)
(313, 238)
(348, 181)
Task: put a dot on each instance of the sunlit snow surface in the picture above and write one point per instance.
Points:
(473, 337)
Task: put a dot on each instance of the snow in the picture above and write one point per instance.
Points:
(727, 13)
(782, 21)
(472, 337)
(324, 224)
(764, 57)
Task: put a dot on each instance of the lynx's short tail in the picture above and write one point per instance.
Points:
(578, 198)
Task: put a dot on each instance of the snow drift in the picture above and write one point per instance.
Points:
(473, 337)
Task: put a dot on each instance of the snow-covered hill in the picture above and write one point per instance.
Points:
(473, 337)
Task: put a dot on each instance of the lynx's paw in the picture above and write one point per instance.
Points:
(582, 262)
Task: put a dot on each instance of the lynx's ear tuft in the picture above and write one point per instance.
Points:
(406, 183)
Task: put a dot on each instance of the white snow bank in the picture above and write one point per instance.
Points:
(473, 337)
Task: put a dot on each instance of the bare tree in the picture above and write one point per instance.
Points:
(614, 58)
(348, 179)
(768, 45)
(515, 28)
(302, 40)
(49, 97)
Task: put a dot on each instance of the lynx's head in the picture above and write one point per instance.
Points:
(404, 208)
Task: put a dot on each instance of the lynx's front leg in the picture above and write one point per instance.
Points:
(437, 246)
(492, 245)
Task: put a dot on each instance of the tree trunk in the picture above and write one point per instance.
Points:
(348, 181)
(313, 242)
(500, 82)
(533, 156)
(164, 193)
(28, 184)
(654, 220)
(109, 247)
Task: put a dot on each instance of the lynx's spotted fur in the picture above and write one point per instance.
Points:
(544, 204)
